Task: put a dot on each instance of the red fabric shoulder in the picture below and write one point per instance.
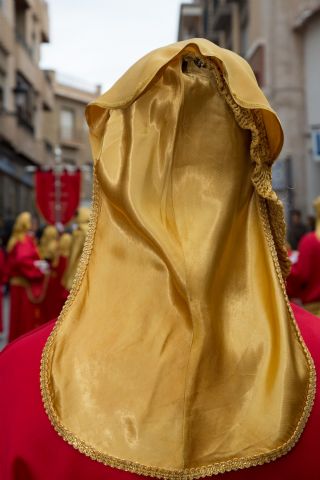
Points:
(309, 326)
(30, 449)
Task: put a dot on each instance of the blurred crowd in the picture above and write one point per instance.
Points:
(37, 267)
(303, 283)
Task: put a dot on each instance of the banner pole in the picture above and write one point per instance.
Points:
(57, 170)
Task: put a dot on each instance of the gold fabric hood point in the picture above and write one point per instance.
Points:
(236, 71)
(177, 354)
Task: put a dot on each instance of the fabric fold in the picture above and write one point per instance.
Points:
(177, 354)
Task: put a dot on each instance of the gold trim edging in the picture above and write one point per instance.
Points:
(23, 282)
(262, 181)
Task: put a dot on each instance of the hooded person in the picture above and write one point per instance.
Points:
(27, 278)
(56, 293)
(76, 247)
(65, 243)
(49, 243)
(177, 354)
(303, 282)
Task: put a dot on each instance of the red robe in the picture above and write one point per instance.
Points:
(56, 293)
(30, 449)
(304, 279)
(24, 312)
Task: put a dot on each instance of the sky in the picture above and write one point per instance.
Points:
(98, 40)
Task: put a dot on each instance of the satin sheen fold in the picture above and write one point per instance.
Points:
(177, 350)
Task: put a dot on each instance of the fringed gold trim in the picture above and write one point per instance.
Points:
(262, 175)
(268, 206)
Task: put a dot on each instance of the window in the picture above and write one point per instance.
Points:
(67, 122)
(33, 48)
(244, 27)
(315, 135)
(69, 162)
(35, 41)
(243, 39)
(257, 63)
(25, 102)
(85, 126)
(20, 18)
(48, 146)
(215, 5)
(2, 90)
(3, 78)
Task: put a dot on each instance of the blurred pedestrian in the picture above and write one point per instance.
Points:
(7, 228)
(304, 280)
(27, 276)
(37, 229)
(48, 239)
(56, 293)
(2, 231)
(311, 223)
(296, 229)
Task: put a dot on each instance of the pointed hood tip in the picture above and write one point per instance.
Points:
(239, 76)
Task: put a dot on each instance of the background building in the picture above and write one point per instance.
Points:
(67, 128)
(26, 96)
(39, 110)
(281, 41)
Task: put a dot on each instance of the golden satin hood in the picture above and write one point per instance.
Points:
(238, 75)
(177, 354)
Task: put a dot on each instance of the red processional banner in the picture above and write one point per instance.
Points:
(57, 195)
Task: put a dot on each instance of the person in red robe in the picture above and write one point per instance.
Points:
(76, 247)
(48, 249)
(49, 236)
(303, 282)
(59, 267)
(27, 278)
(178, 355)
(59, 251)
(30, 449)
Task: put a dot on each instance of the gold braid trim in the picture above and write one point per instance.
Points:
(23, 282)
(261, 179)
(262, 175)
(43, 293)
